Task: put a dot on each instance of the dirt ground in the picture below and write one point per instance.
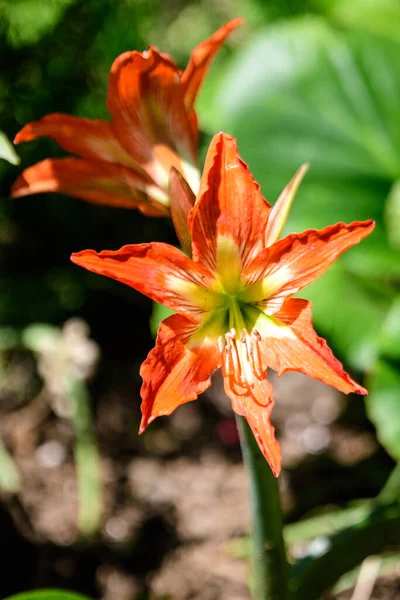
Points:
(175, 498)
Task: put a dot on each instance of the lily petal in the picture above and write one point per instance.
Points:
(291, 344)
(258, 417)
(295, 261)
(200, 60)
(93, 139)
(145, 99)
(228, 221)
(99, 182)
(158, 271)
(173, 372)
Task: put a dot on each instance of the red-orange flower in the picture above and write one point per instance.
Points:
(127, 162)
(234, 298)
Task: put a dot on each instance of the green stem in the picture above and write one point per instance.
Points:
(270, 568)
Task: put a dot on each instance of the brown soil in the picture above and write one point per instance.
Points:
(175, 498)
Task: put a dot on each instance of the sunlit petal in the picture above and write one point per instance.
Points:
(250, 392)
(175, 373)
(93, 139)
(297, 260)
(159, 271)
(291, 344)
(230, 211)
(95, 181)
(200, 60)
(145, 99)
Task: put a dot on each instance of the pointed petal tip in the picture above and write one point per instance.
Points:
(23, 135)
(359, 389)
(78, 258)
(236, 22)
(276, 470)
(301, 171)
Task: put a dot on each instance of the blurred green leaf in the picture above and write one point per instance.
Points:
(29, 20)
(159, 313)
(380, 17)
(389, 565)
(49, 594)
(41, 337)
(9, 338)
(390, 333)
(327, 522)
(383, 406)
(86, 458)
(392, 215)
(9, 475)
(303, 92)
(7, 151)
(318, 96)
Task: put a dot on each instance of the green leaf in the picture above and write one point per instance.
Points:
(41, 337)
(383, 406)
(10, 479)
(49, 594)
(392, 215)
(9, 338)
(389, 343)
(160, 312)
(29, 20)
(7, 151)
(319, 96)
(381, 17)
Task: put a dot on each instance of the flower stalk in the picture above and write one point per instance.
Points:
(269, 563)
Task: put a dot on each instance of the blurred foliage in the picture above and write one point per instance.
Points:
(49, 594)
(9, 476)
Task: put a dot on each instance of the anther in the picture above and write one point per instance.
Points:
(257, 358)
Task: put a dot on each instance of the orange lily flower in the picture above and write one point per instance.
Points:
(127, 162)
(233, 298)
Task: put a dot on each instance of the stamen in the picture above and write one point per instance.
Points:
(234, 352)
(242, 365)
(256, 346)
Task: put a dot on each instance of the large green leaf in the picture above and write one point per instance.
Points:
(303, 92)
(383, 406)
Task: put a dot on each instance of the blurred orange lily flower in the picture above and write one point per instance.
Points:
(126, 162)
(234, 298)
